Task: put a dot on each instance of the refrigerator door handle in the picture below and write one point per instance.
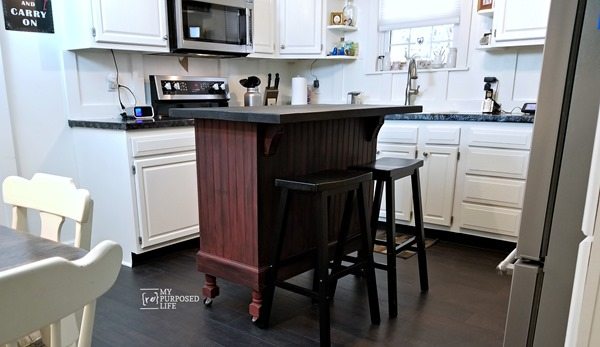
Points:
(524, 298)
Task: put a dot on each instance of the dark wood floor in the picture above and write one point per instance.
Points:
(465, 306)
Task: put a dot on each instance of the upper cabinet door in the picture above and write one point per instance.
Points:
(136, 22)
(264, 26)
(516, 20)
(300, 26)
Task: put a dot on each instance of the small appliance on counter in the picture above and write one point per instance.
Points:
(353, 98)
(168, 92)
(489, 104)
(252, 97)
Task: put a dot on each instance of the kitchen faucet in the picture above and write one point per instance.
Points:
(412, 75)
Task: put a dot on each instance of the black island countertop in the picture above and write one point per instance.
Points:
(274, 114)
(290, 113)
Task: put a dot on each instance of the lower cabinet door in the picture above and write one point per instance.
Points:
(402, 188)
(167, 197)
(437, 183)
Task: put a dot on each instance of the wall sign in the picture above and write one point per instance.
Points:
(32, 15)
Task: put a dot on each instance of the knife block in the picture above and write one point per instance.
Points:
(271, 96)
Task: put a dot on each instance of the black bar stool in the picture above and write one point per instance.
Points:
(320, 186)
(387, 171)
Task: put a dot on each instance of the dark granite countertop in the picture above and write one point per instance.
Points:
(290, 114)
(133, 124)
(463, 117)
(270, 114)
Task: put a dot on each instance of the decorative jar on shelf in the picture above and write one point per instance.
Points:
(349, 13)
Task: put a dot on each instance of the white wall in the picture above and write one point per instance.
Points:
(8, 164)
(518, 70)
(34, 79)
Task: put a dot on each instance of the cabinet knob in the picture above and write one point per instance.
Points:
(378, 152)
(425, 154)
(282, 46)
(165, 37)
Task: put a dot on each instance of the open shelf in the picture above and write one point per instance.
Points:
(486, 12)
(342, 28)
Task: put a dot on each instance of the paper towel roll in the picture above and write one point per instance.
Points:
(299, 91)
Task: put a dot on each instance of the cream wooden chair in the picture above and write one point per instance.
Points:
(56, 198)
(39, 294)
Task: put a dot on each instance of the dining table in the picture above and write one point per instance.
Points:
(21, 248)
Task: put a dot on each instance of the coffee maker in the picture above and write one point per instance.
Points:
(489, 104)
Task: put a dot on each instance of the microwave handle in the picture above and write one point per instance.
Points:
(249, 26)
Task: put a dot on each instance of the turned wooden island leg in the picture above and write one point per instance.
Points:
(210, 289)
(255, 305)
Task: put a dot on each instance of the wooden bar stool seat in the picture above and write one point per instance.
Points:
(321, 186)
(385, 172)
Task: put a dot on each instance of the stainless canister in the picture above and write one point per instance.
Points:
(252, 97)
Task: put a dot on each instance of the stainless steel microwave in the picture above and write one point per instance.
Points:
(215, 27)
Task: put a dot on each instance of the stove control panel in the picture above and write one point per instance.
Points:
(189, 88)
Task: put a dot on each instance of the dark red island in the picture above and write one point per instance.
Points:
(240, 151)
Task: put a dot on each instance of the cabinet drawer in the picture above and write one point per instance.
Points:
(515, 138)
(497, 162)
(397, 133)
(497, 220)
(494, 191)
(441, 135)
(171, 142)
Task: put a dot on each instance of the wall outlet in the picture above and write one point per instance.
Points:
(111, 82)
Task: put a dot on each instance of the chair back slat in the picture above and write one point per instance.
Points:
(54, 197)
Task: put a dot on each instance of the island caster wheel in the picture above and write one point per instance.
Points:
(259, 322)
(208, 302)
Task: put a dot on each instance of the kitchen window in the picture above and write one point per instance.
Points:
(420, 42)
(423, 29)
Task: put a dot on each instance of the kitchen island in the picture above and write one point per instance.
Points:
(240, 152)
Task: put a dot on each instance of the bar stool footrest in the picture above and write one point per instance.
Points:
(297, 289)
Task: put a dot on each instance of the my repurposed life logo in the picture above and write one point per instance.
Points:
(163, 299)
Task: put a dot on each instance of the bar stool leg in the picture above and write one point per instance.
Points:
(282, 213)
(367, 246)
(344, 229)
(390, 236)
(419, 231)
(321, 230)
(376, 207)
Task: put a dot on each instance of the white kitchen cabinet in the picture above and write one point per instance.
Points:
(138, 25)
(473, 178)
(300, 26)
(288, 29)
(143, 183)
(264, 26)
(399, 139)
(402, 187)
(493, 180)
(518, 22)
(167, 198)
(437, 183)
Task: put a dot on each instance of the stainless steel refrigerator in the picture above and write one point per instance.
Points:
(563, 137)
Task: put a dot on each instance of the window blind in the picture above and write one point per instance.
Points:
(399, 14)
